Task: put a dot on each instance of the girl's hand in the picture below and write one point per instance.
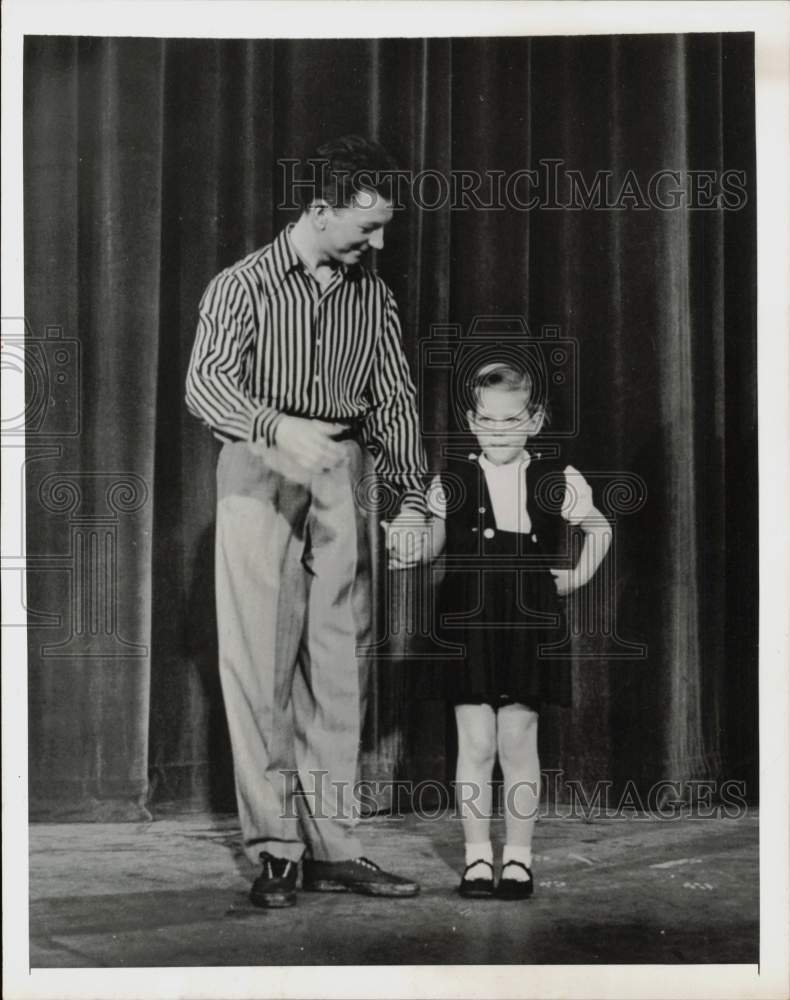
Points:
(407, 539)
(565, 581)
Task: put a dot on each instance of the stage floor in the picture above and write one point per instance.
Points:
(174, 893)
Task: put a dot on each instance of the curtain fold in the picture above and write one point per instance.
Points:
(151, 164)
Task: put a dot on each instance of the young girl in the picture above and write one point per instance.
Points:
(504, 525)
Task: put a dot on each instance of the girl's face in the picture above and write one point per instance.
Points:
(502, 423)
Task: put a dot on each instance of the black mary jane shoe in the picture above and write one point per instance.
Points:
(477, 888)
(514, 888)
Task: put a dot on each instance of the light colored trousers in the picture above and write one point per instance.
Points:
(293, 605)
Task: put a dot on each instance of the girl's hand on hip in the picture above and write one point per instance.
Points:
(565, 581)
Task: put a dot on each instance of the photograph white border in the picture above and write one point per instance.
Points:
(252, 19)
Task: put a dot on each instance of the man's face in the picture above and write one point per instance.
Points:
(349, 232)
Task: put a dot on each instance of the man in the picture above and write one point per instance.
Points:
(298, 367)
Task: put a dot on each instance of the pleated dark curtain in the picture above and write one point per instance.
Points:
(151, 164)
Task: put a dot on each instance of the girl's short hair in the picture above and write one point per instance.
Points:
(509, 378)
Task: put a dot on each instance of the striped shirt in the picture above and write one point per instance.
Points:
(271, 342)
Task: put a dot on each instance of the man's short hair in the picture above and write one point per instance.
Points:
(341, 168)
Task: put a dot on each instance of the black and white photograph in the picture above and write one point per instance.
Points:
(393, 529)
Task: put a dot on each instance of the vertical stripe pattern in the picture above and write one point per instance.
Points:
(271, 342)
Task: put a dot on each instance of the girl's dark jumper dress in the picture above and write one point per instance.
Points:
(498, 600)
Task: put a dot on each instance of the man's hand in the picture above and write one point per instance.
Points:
(408, 539)
(565, 580)
(309, 443)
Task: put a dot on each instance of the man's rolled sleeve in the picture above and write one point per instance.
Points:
(414, 500)
(264, 426)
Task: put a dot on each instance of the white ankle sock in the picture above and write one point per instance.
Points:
(479, 852)
(516, 853)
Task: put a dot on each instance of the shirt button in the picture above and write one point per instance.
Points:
(534, 538)
(489, 533)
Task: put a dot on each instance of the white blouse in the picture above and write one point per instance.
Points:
(507, 487)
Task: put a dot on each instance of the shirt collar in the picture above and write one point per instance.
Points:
(521, 462)
(285, 258)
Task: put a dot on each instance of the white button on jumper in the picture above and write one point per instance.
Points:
(489, 533)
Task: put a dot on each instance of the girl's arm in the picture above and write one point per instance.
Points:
(437, 530)
(597, 539)
(437, 535)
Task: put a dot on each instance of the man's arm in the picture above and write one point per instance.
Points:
(217, 394)
(391, 427)
(393, 434)
(215, 385)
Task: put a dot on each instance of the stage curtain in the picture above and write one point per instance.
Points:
(151, 164)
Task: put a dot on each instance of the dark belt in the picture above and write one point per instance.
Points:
(352, 432)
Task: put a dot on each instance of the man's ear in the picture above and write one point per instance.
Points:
(319, 209)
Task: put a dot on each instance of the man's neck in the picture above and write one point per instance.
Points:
(303, 242)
